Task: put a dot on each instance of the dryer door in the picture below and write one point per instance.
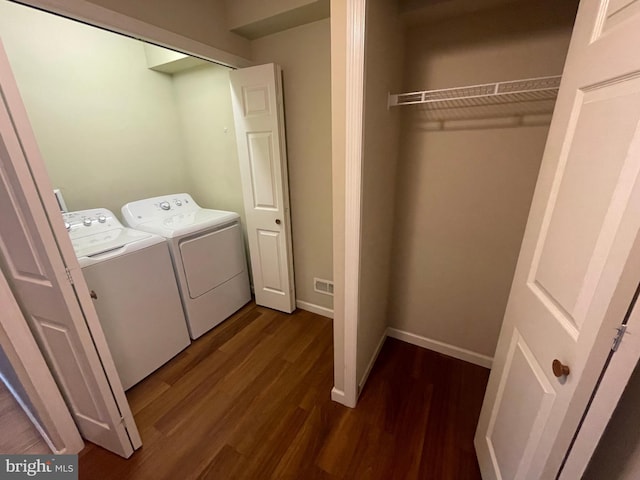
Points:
(211, 259)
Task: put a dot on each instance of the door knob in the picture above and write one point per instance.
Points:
(559, 369)
(278, 222)
(93, 295)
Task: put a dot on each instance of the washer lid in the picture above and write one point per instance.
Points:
(99, 243)
(97, 231)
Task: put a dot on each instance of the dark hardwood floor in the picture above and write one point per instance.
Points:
(251, 400)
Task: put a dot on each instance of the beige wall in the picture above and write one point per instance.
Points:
(618, 453)
(303, 52)
(464, 195)
(383, 73)
(107, 126)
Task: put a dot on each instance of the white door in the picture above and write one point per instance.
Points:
(256, 93)
(30, 256)
(570, 282)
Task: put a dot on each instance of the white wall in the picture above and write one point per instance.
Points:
(304, 54)
(106, 125)
(383, 73)
(206, 117)
(464, 194)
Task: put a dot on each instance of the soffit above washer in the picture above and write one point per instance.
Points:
(256, 18)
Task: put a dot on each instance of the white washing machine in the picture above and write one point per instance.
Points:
(131, 279)
(207, 251)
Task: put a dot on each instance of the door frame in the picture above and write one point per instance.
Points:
(346, 220)
(100, 17)
(34, 179)
(55, 423)
(346, 312)
(351, 188)
(346, 269)
(617, 374)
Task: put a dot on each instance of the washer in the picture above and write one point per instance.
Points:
(131, 279)
(207, 251)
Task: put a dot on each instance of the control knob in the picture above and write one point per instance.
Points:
(86, 222)
(67, 225)
(165, 205)
(178, 203)
(102, 218)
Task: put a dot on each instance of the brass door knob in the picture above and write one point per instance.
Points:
(93, 294)
(559, 369)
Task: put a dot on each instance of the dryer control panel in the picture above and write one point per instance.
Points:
(158, 208)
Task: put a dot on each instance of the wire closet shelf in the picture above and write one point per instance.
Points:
(514, 91)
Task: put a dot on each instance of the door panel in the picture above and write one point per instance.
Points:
(618, 11)
(513, 430)
(581, 229)
(32, 262)
(256, 100)
(257, 105)
(55, 339)
(263, 175)
(594, 177)
(39, 291)
(269, 251)
(25, 264)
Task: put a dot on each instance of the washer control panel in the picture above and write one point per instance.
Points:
(88, 222)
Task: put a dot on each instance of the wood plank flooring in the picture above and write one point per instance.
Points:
(17, 433)
(251, 400)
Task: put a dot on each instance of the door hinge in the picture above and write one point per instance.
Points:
(69, 276)
(618, 338)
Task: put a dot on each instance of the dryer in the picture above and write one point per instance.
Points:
(131, 279)
(207, 251)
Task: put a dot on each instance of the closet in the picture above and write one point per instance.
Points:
(458, 102)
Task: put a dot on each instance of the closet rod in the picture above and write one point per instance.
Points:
(525, 90)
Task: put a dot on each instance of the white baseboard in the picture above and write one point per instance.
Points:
(372, 361)
(441, 347)
(338, 396)
(313, 308)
